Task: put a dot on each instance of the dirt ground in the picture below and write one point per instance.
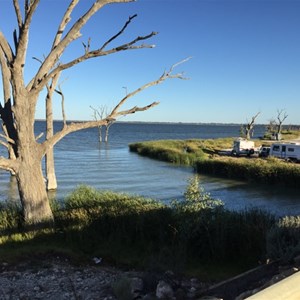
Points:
(56, 277)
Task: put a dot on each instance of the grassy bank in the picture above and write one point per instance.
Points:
(197, 236)
(203, 156)
(286, 134)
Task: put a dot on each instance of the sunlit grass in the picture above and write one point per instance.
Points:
(204, 156)
(196, 236)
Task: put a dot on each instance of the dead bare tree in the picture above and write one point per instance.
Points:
(270, 129)
(99, 114)
(249, 127)
(281, 117)
(49, 156)
(20, 100)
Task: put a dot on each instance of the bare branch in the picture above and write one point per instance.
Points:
(4, 144)
(4, 45)
(18, 13)
(39, 136)
(119, 33)
(162, 78)
(59, 91)
(281, 118)
(136, 109)
(30, 7)
(21, 46)
(6, 137)
(64, 22)
(87, 46)
(100, 113)
(8, 164)
(179, 63)
(6, 76)
(70, 36)
(44, 74)
(250, 124)
(39, 60)
(98, 53)
(68, 128)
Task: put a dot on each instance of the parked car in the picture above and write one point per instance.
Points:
(264, 151)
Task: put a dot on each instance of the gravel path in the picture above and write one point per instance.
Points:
(56, 279)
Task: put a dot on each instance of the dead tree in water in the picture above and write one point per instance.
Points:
(99, 114)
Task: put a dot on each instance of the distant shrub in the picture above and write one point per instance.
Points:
(268, 171)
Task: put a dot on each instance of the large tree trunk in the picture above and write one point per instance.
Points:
(33, 194)
(29, 174)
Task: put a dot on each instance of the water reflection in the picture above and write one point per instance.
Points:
(238, 195)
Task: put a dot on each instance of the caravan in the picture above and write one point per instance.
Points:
(290, 151)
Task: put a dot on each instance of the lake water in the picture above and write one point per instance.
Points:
(80, 159)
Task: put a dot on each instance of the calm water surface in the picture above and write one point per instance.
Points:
(80, 159)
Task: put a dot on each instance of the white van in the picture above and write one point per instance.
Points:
(243, 147)
(289, 151)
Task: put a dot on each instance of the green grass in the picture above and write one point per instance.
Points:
(197, 236)
(203, 156)
(286, 134)
(185, 152)
(265, 171)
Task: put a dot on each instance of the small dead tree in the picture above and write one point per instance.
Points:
(270, 129)
(99, 114)
(249, 127)
(281, 117)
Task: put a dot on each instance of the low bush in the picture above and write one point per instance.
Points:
(283, 240)
(268, 171)
(143, 233)
(140, 231)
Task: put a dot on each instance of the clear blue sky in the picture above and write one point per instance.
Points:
(245, 59)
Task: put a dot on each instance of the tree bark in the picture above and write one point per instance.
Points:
(28, 167)
(50, 171)
(49, 157)
(33, 194)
